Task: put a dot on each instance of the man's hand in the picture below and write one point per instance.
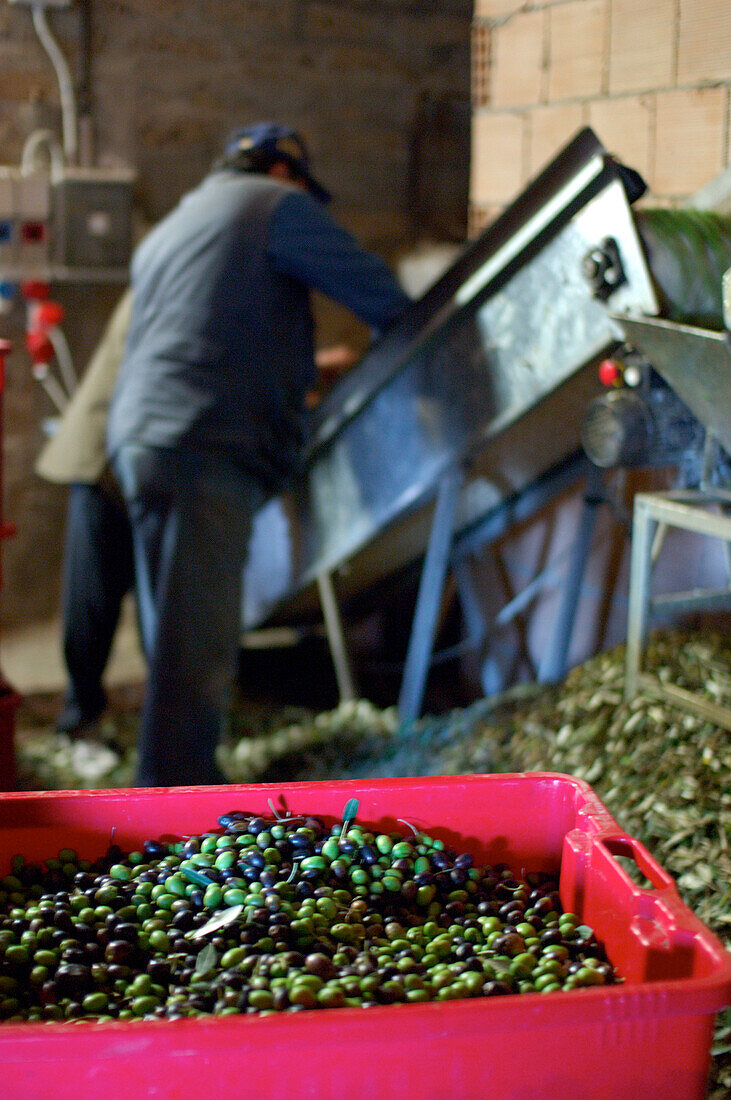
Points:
(334, 360)
(331, 362)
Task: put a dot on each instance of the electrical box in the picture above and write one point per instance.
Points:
(72, 224)
(24, 218)
(33, 204)
(91, 218)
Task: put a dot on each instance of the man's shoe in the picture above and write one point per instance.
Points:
(74, 722)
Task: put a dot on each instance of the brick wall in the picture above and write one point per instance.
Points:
(367, 81)
(653, 80)
(651, 77)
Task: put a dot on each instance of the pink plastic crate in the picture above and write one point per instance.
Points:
(649, 1037)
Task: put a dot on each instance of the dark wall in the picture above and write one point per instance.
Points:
(380, 88)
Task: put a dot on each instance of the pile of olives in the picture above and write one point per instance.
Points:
(279, 914)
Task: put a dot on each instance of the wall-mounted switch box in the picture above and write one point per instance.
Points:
(25, 206)
(33, 208)
(91, 218)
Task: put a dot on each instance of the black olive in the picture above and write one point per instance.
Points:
(119, 951)
(159, 970)
(73, 979)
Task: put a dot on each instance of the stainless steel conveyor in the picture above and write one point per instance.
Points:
(465, 414)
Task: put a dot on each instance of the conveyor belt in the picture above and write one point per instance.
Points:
(470, 409)
(488, 369)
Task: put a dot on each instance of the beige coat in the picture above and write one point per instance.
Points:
(77, 450)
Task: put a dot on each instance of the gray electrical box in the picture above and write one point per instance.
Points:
(91, 218)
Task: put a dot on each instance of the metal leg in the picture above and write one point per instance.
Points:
(491, 676)
(639, 594)
(421, 640)
(472, 612)
(727, 548)
(553, 663)
(335, 637)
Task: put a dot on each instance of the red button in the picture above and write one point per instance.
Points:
(610, 372)
(49, 313)
(39, 346)
(35, 289)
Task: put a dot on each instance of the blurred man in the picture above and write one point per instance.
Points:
(207, 417)
(98, 568)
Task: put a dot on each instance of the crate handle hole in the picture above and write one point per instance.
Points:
(623, 853)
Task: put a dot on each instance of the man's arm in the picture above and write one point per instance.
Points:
(306, 243)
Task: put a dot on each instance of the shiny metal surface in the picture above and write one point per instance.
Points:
(694, 362)
(487, 369)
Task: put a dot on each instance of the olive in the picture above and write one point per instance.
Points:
(126, 931)
(184, 920)
(159, 970)
(73, 979)
(233, 817)
(253, 858)
(118, 972)
(119, 951)
(543, 906)
(153, 849)
(74, 955)
(328, 920)
(495, 988)
(319, 964)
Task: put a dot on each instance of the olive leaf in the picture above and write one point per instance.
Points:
(206, 960)
(220, 920)
(349, 812)
(195, 876)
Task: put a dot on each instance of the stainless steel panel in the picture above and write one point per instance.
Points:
(510, 325)
(694, 362)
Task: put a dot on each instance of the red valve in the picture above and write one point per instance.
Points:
(49, 314)
(610, 372)
(35, 290)
(5, 348)
(39, 346)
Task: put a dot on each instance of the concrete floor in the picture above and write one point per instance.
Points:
(31, 658)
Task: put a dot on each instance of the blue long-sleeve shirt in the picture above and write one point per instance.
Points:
(220, 350)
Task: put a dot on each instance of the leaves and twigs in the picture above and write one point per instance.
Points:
(207, 960)
(195, 876)
(350, 811)
(220, 920)
(287, 816)
(296, 859)
(357, 726)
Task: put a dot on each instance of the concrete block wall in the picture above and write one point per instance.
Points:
(651, 77)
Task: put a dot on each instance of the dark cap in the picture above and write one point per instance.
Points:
(256, 147)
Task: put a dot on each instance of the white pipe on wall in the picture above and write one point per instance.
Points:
(65, 83)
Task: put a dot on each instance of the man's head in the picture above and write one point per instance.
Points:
(263, 147)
